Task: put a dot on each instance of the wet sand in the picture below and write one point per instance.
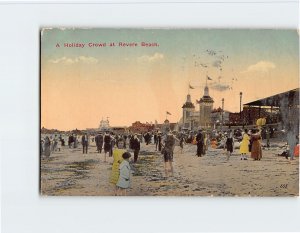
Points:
(69, 172)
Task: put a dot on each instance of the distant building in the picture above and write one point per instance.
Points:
(191, 119)
(104, 125)
(189, 116)
(216, 117)
(138, 127)
(206, 106)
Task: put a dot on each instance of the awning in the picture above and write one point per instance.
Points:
(289, 98)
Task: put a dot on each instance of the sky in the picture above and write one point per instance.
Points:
(82, 85)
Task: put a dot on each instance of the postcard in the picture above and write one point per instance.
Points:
(169, 112)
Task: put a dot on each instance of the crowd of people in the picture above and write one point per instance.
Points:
(120, 147)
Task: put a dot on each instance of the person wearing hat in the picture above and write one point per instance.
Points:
(124, 178)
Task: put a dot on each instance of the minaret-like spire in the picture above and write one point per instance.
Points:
(206, 91)
(188, 98)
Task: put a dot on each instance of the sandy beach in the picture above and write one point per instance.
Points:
(69, 172)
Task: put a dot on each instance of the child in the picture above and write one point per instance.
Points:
(244, 147)
(229, 145)
(124, 179)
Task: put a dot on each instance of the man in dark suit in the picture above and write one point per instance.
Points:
(99, 142)
(84, 142)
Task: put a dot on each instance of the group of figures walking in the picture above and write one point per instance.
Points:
(51, 144)
(250, 143)
(120, 148)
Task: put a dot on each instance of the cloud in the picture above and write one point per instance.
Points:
(155, 57)
(219, 86)
(261, 66)
(70, 61)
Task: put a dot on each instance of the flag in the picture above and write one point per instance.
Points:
(191, 87)
(209, 78)
(168, 113)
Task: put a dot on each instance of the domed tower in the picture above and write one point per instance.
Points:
(104, 125)
(187, 108)
(206, 105)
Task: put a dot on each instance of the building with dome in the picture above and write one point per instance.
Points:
(192, 119)
(104, 125)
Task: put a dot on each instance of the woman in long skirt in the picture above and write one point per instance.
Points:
(256, 152)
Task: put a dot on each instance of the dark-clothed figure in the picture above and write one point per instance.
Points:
(118, 139)
(136, 146)
(200, 143)
(229, 145)
(99, 142)
(75, 141)
(131, 142)
(147, 138)
(159, 142)
(107, 144)
(47, 145)
(63, 143)
(70, 141)
(124, 141)
(155, 141)
(84, 142)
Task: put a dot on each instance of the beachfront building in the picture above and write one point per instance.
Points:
(139, 127)
(282, 108)
(219, 117)
(192, 119)
(206, 106)
(188, 114)
(104, 125)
